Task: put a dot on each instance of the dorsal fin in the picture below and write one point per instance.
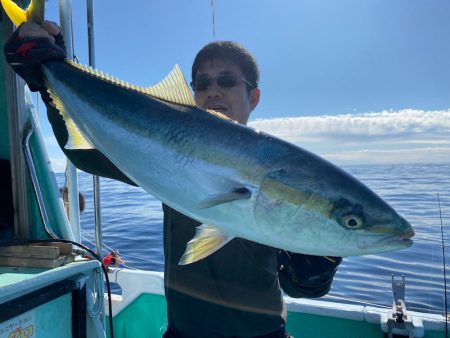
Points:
(173, 88)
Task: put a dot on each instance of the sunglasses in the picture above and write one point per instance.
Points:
(225, 81)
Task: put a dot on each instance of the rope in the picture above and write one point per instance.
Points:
(125, 256)
(103, 244)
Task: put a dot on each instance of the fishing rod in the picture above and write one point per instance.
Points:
(213, 10)
(445, 273)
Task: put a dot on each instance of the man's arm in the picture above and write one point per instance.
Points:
(306, 276)
(29, 47)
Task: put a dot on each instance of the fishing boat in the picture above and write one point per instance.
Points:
(49, 289)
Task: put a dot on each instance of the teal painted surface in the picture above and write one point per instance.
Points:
(11, 275)
(48, 185)
(146, 317)
(54, 319)
(306, 325)
(314, 326)
(50, 320)
(47, 180)
(4, 135)
(46, 177)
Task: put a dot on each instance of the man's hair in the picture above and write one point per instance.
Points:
(228, 51)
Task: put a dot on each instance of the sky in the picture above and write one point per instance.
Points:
(355, 81)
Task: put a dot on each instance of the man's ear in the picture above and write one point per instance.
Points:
(253, 96)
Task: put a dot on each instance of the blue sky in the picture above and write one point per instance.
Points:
(357, 81)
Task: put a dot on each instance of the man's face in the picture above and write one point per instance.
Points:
(235, 102)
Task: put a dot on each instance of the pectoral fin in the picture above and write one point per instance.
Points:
(207, 240)
(236, 194)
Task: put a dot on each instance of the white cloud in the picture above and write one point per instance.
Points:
(416, 155)
(382, 137)
(385, 124)
(406, 136)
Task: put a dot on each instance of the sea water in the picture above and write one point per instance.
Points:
(132, 224)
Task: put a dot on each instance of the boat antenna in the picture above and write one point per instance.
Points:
(445, 273)
(213, 10)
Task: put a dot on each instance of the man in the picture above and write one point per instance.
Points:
(64, 191)
(234, 292)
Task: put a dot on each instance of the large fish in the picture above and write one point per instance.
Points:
(237, 181)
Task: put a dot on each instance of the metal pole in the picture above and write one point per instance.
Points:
(90, 23)
(96, 179)
(99, 308)
(65, 15)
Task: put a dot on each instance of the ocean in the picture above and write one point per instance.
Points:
(132, 224)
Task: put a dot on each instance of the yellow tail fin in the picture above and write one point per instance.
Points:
(34, 12)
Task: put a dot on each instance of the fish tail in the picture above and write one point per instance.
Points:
(33, 13)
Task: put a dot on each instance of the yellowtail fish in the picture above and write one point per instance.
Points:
(237, 181)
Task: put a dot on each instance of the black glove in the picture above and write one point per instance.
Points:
(305, 275)
(25, 55)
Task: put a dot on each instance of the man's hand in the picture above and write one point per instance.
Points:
(306, 275)
(32, 45)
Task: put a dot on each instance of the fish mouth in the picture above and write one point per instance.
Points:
(388, 242)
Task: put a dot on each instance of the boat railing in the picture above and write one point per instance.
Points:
(35, 181)
(142, 287)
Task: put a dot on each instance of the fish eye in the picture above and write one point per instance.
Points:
(352, 222)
